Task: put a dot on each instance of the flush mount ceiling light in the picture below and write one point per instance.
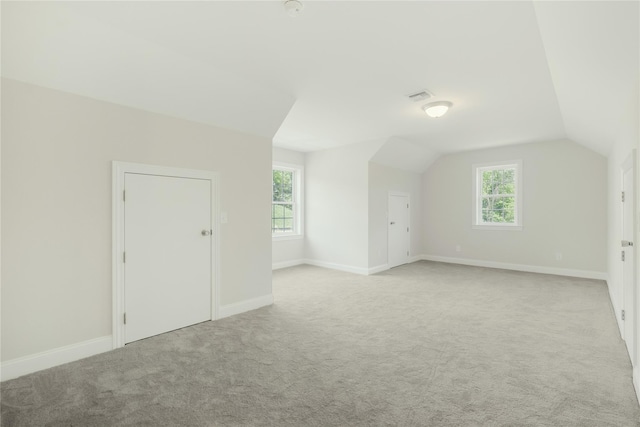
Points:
(293, 7)
(437, 109)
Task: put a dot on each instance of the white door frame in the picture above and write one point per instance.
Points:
(119, 169)
(408, 196)
(629, 164)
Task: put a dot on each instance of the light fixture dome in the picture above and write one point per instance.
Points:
(293, 7)
(437, 109)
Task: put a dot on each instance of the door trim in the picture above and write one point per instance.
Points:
(408, 196)
(630, 165)
(119, 169)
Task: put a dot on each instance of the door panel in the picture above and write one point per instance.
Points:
(398, 230)
(628, 266)
(167, 273)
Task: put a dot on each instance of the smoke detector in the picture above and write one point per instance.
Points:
(420, 96)
(293, 7)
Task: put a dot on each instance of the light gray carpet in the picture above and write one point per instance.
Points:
(425, 344)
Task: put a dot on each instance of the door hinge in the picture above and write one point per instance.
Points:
(125, 318)
(407, 253)
(622, 255)
(124, 195)
(124, 257)
(622, 315)
(407, 205)
(623, 196)
(407, 229)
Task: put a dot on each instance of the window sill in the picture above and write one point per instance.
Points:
(497, 227)
(277, 238)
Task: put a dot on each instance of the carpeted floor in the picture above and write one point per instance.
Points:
(426, 344)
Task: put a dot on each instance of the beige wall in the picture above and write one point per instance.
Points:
(336, 195)
(565, 208)
(57, 150)
(382, 180)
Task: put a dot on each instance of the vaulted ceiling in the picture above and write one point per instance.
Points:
(339, 72)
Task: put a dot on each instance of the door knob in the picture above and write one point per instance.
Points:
(392, 222)
(206, 232)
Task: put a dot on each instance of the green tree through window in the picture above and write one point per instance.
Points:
(498, 195)
(283, 202)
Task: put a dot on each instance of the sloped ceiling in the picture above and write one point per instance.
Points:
(592, 50)
(339, 73)
(74, 47)
(400, 154)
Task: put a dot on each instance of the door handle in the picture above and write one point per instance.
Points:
(206, 232)
(392, 222)
(626, 243)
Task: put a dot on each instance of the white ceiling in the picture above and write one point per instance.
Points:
(339, 73)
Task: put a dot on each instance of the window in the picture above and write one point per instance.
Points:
(286, 215)
(497, 194)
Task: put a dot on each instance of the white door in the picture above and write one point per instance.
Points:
(398, 251)
(628, 266)
(167, 249)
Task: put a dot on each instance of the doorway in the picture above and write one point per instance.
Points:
(398, 229)
(165, 247)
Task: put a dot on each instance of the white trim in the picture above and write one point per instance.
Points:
(636, 382)
(408, 196)
(119, 169)
(340, 267)
(584, 274)
(377, 269)
(58, 356)
(282, 237)
(629, 165)
(285, 264)
(299, 202)
(498, 227)
(615, 309)
(244, 306)
(415, 258)
(476, 196)
(332, 266)
(285, 165)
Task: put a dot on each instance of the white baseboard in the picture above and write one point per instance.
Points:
(244, 306)
(48, 359)
(584, 274)
(285, 264)
(616, 309)
(415, 258)
(636, 382)
(340, 267)
(378, 269)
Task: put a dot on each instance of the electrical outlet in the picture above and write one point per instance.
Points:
(558, 256)
(458, 248)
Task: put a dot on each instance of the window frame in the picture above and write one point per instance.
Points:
(297, 193)
(477, 170)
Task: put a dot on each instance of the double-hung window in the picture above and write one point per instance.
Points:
(286, 201)
(497, 195)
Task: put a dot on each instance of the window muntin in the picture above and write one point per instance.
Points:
(286, 201)
(283, 202)
(497, 197)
